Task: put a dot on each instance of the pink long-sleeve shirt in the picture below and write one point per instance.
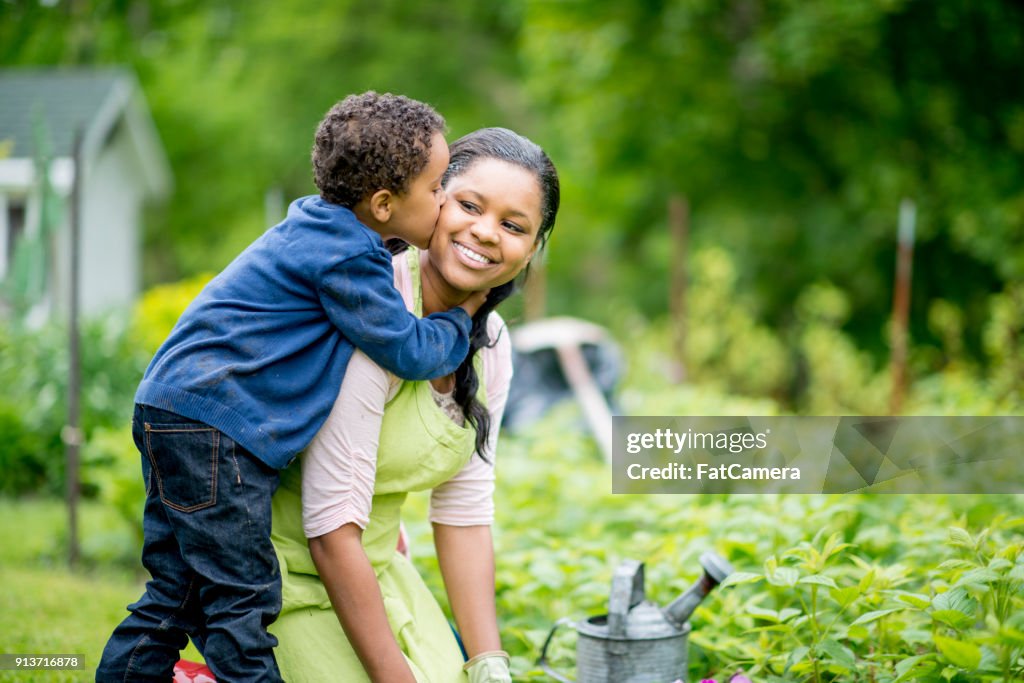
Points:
(339, 465)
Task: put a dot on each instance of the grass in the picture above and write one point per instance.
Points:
(45, 607)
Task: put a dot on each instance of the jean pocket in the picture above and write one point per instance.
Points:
(184, 460)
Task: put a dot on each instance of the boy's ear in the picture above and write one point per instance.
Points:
(381, 203)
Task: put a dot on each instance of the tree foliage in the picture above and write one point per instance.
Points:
(794, 129)
(237, 89)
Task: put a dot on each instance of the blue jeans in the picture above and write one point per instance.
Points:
(207, 547)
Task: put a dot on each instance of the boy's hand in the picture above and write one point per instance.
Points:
(474, 302)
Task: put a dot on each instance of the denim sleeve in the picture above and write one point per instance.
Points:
(360, 298)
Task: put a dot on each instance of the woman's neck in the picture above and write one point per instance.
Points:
(438, 294)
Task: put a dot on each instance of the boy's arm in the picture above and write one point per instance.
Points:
(360, 298)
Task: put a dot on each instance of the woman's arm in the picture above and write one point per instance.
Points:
(338, 470)
(461, 512)
(466, 557)
(355, 595)
(340, 464)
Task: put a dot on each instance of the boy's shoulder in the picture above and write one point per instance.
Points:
(314, 219)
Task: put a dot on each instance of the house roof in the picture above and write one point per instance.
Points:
(93, 100)
(66, 100)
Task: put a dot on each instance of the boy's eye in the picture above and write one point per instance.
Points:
(469, 206)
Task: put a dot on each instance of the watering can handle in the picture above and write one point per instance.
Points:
(542, 662)
(627, 593)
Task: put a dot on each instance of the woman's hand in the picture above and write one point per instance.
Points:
(474, 302)
(489, 667)
(355, 594)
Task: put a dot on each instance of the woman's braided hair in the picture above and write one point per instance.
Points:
(504, 145)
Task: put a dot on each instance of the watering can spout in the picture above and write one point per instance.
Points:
(716, 569)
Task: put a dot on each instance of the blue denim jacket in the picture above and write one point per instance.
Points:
(261, 352)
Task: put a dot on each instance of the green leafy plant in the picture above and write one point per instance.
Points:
(34, 373)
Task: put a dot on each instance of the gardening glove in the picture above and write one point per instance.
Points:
(489, 667)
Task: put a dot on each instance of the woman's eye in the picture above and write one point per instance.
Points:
(513, 227)
(469, 206)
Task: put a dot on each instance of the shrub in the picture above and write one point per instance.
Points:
(29, 460)
(34, 367)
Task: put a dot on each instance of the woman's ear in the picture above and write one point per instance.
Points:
(533, 252)
(381, 205)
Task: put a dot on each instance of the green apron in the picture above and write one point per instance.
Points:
(420, 448)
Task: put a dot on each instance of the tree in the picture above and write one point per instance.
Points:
(795, 129)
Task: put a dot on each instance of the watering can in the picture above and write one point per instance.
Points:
(637, 641)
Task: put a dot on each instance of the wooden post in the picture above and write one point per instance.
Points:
(901, 305)
(72, 434)
(567, 337)
(679, 230)
(588, 393)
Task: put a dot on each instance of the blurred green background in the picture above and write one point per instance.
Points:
(793, 130)
(786, 134)
(783, 135)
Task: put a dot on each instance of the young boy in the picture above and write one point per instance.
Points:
(250, 372)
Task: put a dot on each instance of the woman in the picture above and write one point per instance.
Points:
(354, 608)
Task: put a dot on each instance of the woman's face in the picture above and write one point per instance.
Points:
(487, 230)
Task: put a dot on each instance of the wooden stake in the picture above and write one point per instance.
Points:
(679, 229)
(901, 305)
(588, 393)
(72, 434)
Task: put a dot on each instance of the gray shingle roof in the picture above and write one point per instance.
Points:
(66, 99)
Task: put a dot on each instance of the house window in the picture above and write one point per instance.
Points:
(15, 224)
(12, 227)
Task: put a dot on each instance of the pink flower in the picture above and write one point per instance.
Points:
(737, 678)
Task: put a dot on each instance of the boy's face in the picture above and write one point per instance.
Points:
(414, 213)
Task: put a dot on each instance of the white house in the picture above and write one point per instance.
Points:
(123, 168)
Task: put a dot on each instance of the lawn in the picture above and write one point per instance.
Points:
(45, 607)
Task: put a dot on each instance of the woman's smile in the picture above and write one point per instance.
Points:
(473, 256)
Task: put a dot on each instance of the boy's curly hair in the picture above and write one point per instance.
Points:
(370, 142)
